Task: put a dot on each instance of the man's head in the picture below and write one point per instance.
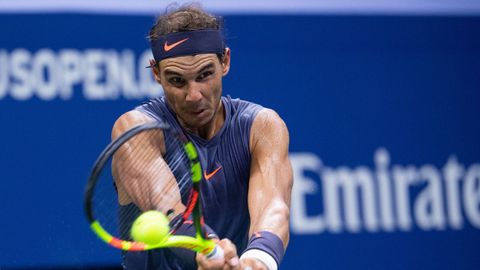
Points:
(184, 19)
(190, 61)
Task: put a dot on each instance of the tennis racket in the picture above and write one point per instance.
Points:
(149, 167)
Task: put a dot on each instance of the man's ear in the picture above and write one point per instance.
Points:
(226, 61)
(155, 71)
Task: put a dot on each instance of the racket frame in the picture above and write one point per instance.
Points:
(198, 243)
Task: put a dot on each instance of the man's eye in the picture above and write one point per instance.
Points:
(176, 81)
(204, 75)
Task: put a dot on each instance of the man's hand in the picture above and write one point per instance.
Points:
(229, 262)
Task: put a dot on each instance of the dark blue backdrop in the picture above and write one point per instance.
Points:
(345, 85)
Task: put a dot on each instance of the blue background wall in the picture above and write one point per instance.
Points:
(345, 85)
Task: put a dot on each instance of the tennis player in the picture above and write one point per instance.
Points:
(243, 148)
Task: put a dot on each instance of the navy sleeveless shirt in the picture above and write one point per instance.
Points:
(225, 159)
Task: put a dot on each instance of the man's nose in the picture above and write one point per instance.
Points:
(194, 92)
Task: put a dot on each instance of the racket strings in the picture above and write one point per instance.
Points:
(109, 198)
(175, 165)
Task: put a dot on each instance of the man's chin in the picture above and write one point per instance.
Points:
(196, 121)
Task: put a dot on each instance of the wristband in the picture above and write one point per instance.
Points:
(263, 245)
(262, 256)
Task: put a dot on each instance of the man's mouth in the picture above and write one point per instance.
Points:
(197, 112)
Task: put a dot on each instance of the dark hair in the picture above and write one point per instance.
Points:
(188, 17)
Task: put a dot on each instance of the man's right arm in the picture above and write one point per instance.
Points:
(136, 172)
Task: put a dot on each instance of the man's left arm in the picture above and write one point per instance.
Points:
(269, 192)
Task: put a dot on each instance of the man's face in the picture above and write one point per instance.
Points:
(193, 87)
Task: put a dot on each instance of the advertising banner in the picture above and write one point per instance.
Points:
(382, 112)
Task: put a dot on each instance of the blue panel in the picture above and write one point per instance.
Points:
(346, 86)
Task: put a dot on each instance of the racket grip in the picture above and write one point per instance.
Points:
(216, 254)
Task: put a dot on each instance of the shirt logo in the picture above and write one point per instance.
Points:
(210, 175)
(167, 47)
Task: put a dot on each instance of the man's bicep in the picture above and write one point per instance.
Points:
(269, 149)
(271, 175)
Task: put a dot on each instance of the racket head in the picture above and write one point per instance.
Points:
(106, 200)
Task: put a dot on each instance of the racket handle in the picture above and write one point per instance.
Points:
(216, 254)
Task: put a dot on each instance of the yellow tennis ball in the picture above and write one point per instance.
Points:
(150, 228)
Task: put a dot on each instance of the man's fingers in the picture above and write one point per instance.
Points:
(205, 264)
(234, 262)
(230, 252)
(229, 262)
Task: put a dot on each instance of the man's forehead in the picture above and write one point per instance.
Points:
(188, 63)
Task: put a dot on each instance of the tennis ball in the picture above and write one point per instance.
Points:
(150, 227)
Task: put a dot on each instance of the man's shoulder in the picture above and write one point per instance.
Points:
(257, 111)
(128, 121)
(151, 103)
(268, 119)
(239, 102)
(268, 131)
(242, 109)
(269, 116)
